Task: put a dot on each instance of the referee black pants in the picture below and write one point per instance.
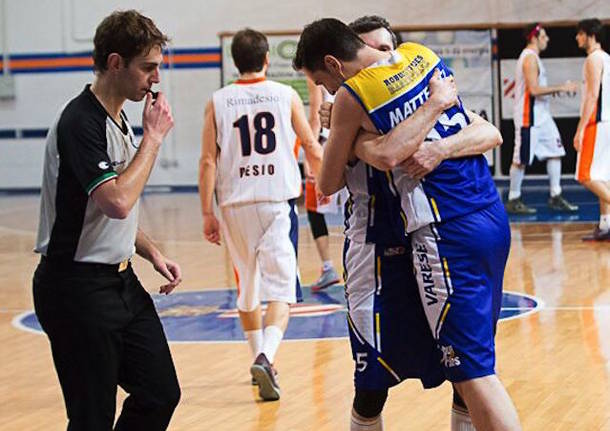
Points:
(104, 331)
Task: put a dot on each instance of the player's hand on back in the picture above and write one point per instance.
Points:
(443, 91)
(325, 112)
(427, 157)
(157, 118)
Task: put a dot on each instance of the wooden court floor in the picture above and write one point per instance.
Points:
(554, 362)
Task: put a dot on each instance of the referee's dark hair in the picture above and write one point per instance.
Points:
(127, 33)
(249, 49)
(326, 36)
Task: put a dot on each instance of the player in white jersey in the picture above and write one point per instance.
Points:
(317, 208)
(592, 138)
(248, 151)
(536, 133)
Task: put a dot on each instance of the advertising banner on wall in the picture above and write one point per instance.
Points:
(468, 54)
(558, 70)
(281, 52)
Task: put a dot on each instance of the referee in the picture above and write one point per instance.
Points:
(101, 323)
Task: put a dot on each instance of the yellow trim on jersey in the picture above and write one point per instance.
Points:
(444, 316)
(377, 85)
(446, 268)
(378, 331)
(387, 367)
(437, 215)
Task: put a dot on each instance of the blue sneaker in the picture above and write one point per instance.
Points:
(327, 278)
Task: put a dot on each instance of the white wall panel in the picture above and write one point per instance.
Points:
(50, 26)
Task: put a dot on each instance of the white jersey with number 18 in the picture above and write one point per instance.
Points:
(256, 141)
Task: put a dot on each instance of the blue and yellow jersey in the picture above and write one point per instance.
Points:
(390, 91)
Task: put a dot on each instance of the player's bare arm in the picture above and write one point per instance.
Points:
(207, 175)
(388, 151)
(475, 139)
(117, 197)
(347, 120)
(311, 146)
(593, 73)
(531, 72)
(315, 102)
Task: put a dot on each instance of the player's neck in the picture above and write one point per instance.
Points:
(252, 76)
(533, 47)
(106, 93)
(593, 47)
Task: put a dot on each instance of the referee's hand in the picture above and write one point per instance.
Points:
(171, 271)
(157, 118)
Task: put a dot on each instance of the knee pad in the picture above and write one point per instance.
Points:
(369, 403)
(318, 224)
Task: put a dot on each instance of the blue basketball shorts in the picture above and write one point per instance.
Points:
(459, 266)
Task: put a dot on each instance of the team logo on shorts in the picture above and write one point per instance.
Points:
(450, 359)
(211, 316)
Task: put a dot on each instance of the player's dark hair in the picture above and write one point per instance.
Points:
(592, 27)
(531, 31)
(327, 36)
(368, 23)
(127, 33)
(249, 49)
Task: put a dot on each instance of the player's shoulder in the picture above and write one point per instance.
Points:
(414, 48)
(83, 111)
(280, 87)
(596, 59)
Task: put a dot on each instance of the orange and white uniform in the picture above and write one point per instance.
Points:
(258, 180)
(593, 162)
(536, 134)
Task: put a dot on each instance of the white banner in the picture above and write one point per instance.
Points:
(281, 52)
(558, 70)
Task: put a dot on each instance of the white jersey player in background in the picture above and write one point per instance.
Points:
(592, 138)
(248, 159)
(536, 133)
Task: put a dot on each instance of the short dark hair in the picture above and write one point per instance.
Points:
(249, 49)
(327, 36)
(368, 23)
(531, 30)
(127, 33)
(592, 27)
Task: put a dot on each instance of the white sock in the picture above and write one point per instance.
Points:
(460, 420)
(358, 423)
(327, 265)
(604, 221)
(553, 168)
(516, 178)
(271, 341)
(255, 341)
